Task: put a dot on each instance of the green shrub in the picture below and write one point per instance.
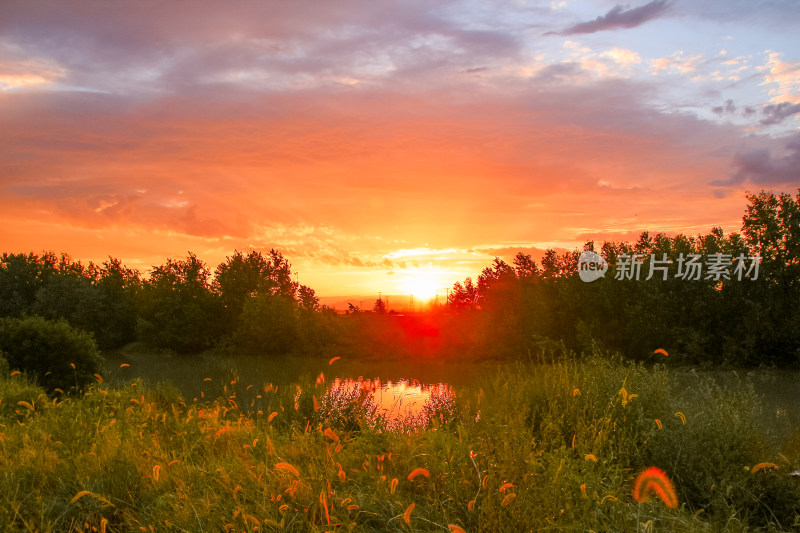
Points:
(267, 325)
(16, 389)
(55, 354)
(711, 456)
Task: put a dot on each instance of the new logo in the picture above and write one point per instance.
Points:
(591, 266)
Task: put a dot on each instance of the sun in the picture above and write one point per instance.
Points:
(421, 286)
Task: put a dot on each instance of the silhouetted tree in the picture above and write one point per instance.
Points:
(241, 277)
(463, 297)
(119, 287)
(21, 277)
(728, 314)
(177, 307)
(307, 299)
(771, 228)
(267, 325)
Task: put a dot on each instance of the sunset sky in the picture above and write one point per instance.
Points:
(386, 145)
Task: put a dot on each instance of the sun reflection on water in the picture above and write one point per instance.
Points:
(401, 404)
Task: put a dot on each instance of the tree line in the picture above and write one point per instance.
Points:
(731, 315)
(249, 302)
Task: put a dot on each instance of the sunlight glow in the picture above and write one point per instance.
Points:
(422, 285)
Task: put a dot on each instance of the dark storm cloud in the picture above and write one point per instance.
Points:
(619, 17)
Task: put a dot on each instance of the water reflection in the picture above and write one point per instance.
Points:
(391, 404)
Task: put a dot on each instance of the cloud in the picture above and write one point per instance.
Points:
(777, 113)
(260, 46)
(771, 15)
(622, 56)
(784, 76)
(729, 108)
(30, 74)
(678, 63)
(773, 165)
(619, 17)
(280, 125)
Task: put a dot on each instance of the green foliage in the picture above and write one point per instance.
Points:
(744, 318)
(253, 304)
(307, 299)
(712, 454)
(241, 277)
(177, 309)
(54, 353)
(95, 299)
(318, 331)
(19, 398)
(529, 447)
(267, 325)
(21, 276)
(115, 324)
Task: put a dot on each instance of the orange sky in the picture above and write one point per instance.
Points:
(374, 146)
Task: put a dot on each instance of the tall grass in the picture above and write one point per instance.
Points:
(528, 448)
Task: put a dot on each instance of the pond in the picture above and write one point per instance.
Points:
(394, 392)
(398, 390)
(395, 404)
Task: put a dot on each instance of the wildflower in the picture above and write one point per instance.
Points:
(654, 480)
(286, 467)
(763, 466)
(418, 472)
(407, 513)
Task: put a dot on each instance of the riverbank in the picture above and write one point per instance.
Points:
(523, 447)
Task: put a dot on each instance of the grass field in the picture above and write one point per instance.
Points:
(524, 447)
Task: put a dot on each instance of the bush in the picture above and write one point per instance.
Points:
(52, 352)
(19, 398)
(267, 325)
